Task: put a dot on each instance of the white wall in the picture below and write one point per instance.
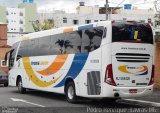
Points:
(136, 11)
(58, 18)
(87, 10)
(132, 17)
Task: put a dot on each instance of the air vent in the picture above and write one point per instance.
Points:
(132, 57)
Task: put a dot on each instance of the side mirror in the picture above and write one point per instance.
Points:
(4, 63)
(18, 57)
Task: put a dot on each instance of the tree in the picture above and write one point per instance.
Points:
(45, 25)
(157, 20)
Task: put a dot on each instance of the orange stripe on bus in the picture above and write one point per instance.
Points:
(68, 30)
(55, 66)
(145, 68)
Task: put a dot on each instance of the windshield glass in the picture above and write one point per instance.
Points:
(13, 54)
(132, 32)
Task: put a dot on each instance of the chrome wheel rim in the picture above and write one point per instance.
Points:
(70, 92)
(20, 86)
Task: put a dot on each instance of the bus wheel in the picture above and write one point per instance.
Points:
(71, 93)
(20, 87)
(6, 85)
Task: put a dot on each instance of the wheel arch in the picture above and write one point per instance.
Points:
(68, 79)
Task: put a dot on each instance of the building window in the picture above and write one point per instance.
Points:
(149, 20)
(87, 21)
(125, 19)
(21, 22)
(7, 13)
(21, 30)
(7, 21)
(75, 22)
(64, 20)
(95, 20)
(143, 21)
(20, 14)
(51, 21)
(4, 63)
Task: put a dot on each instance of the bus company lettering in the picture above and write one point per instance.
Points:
(39, 62)
(134, 67)
(132, 48)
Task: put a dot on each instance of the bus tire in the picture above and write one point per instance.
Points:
(71, 92)
(6, 85)
(20, 87)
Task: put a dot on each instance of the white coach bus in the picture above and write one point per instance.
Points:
(99, 60)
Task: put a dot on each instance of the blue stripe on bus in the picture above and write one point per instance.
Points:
(145, 73)
(85, 27)
(132, 35)
(76, 67)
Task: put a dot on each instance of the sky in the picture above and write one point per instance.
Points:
(70, 5)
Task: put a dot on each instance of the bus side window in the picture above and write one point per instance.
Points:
(23, 49)
(85, 48)
(73, 42)
(57, 44)
(44, 46)
(92, 39)
(97, 37)
(33, 45)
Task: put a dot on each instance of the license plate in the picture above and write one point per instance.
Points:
(133, 91)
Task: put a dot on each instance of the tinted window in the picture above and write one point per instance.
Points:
(14, 48)
(92, 39)
(13, 54)
(23, 49)
(73, 42)
(132, 32)
(57, 44)
(33, 46)
(64, 43)
(44, 46)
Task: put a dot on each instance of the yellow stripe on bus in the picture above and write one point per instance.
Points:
(33, 77)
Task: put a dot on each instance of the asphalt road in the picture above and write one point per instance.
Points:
(43, 102)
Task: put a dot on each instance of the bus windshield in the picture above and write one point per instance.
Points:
(132, 32)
